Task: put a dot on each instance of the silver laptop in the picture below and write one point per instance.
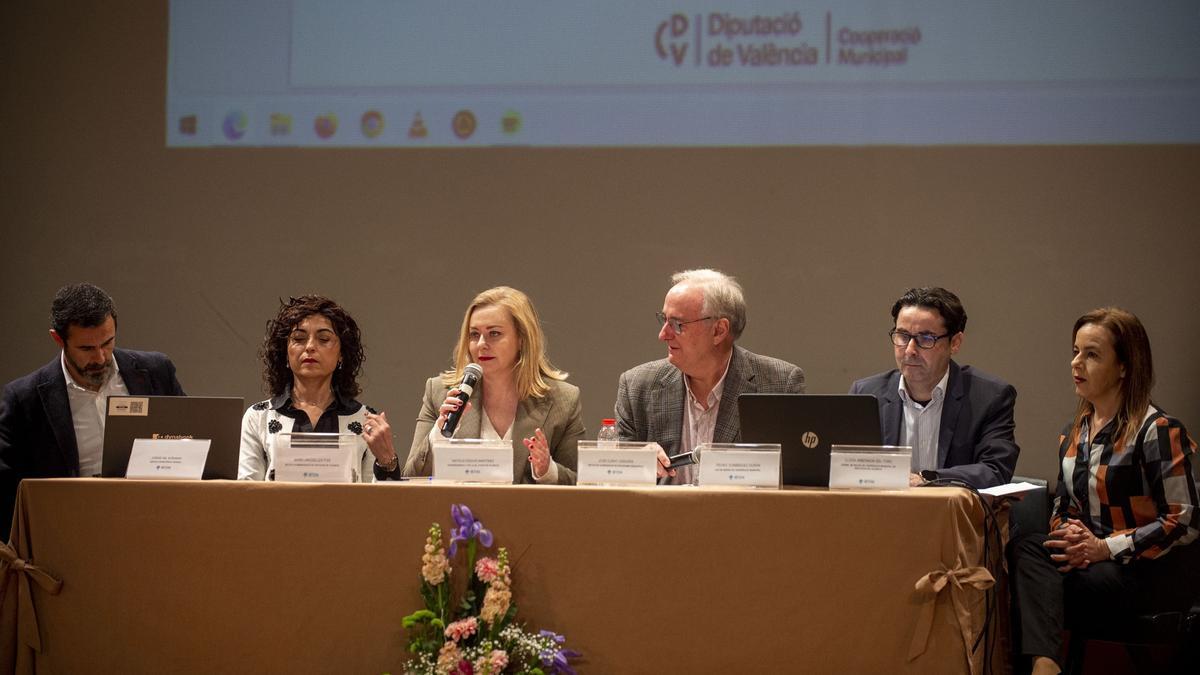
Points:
(218, 419)
(806, 426)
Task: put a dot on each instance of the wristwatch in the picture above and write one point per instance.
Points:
(390, 466)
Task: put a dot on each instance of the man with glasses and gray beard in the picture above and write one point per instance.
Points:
(690, 397)
(52, 420)
(958, 420)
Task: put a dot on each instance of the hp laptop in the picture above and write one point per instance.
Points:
(128, 418)
(806, 426)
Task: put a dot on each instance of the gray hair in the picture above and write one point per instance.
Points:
(723, 298)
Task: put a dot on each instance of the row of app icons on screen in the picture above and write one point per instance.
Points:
(236, 124)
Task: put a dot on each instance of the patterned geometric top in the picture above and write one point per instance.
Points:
(264, 420)
(1142, 497)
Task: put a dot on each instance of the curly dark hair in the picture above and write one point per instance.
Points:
(274, 354)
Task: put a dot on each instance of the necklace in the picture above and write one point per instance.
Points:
(322, 406)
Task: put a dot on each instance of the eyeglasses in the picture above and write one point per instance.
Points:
(675, 324)
(924, 340)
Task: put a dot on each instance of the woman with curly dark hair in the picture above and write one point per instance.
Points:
(312, 355)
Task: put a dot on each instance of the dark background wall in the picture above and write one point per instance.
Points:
(197, 246)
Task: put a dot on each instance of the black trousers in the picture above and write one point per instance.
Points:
(1045, 601)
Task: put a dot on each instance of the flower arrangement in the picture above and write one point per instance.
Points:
(479, 635)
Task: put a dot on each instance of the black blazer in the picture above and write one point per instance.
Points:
(975, 441)
(37, 436)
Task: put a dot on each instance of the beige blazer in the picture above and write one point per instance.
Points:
(558, 414)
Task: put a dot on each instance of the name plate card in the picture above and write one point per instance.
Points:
(168, 459)
(739, 464)
(316, 458)
(471, 460)
(617, 463)
(869, 467)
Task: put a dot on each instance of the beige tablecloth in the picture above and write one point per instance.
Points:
(252, 577)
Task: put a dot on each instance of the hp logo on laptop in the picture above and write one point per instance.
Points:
(810, 439)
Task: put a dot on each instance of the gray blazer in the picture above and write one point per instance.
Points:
(975, 440)
(650, 397)
(558, 414)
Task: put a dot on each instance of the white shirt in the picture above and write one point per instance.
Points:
(263, 422)
(87, 415)
(699, 424)
(922, 424)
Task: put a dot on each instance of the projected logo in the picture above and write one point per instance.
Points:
(725, 40)
(463, 124)
(326, 125)
(810, 439)
(510, 122)
(668, 39)
(372, 123)
(417, 128)
(188, 125)
(234, 125)
(281, 124)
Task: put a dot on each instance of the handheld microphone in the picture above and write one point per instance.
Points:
(684, 459)
(471, 376)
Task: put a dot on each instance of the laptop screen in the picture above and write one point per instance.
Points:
(806, 426)
(218, 419)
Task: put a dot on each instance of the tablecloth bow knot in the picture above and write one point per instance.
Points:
(12, 564)
(957, 580)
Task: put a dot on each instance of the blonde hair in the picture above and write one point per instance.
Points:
(533, 368)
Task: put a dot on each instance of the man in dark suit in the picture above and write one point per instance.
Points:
(52, 420)
(690, 397)
(958, 420)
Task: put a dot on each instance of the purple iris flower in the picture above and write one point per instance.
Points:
(557, 659)
(467, 528)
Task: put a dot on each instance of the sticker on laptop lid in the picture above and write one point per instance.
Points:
(129, 406)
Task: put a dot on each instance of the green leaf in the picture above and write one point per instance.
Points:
(430, 594)
(507, 618)
(419, 616)
(468, 604)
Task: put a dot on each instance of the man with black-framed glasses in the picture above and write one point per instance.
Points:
(958, 420)
(690, 397)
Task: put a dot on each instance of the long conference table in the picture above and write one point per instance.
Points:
(241, 577)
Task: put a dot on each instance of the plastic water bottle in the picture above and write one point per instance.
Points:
(607, 438)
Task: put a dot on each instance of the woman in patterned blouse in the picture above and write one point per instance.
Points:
(1125, 518)
(312, 355)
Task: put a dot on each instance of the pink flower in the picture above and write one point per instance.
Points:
(493, 663)
(465, 628)
(487, 569)
(434, 565)
(495, 602)
(434, 568)
(448, 658)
